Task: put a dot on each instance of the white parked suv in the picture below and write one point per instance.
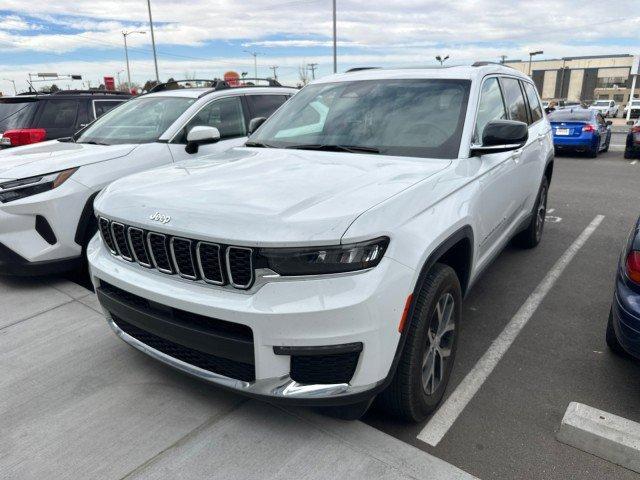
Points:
(607, 108)
(47, 189)
(325, 261)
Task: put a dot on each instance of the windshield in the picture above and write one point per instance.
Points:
(142, 120)
(420, 118)
(570, 116)
(16, 114)
(602, 103)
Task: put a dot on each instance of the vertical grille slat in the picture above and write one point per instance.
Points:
(105, 232)
(159, 251)
(240, 266)
(210, 263)
(138, 246)
(120, 238)
(182, 255)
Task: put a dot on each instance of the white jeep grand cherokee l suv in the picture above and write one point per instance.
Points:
(47, 189)
(325, 262)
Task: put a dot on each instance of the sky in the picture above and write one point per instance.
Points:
(205, 38)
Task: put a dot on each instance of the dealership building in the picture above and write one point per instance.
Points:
(597, 77)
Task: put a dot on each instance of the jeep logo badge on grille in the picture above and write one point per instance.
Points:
(160, 217)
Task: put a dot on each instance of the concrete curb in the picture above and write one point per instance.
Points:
(602, 434)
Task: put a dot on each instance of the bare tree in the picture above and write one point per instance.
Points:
(303, 73)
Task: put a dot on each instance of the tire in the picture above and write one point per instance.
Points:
(593, 153)
(416, 390)
(531, 236)
(612, 339)
(606, 145)
(628, 154)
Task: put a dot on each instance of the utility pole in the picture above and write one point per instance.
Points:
(125, 34)
(153, 42)
(312, 67)
(13, 82)
(255, 62)
(274, 68)
(335, 39)
(503, 58)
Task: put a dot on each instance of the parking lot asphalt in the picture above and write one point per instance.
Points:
(79, 403)
(508, 428)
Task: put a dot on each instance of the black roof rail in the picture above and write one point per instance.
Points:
(270, 81)
(359, 69)
(485, 63)
(190, 83)
(88, 92)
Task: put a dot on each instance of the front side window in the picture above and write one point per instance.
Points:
(142, 120)
(490, 107)
(420, 118)
(225, 114)
(534, 103)
(59, 114)
(516, 106)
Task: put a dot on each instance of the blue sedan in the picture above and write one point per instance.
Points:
(623, 328)
(580, 129)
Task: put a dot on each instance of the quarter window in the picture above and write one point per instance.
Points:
(491, 107)
(534, 103)
(225, 114)
(103, 106)
(516, 106)
(264, 105)
(59, 114)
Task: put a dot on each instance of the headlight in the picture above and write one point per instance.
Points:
(25, 187)
(323, 260)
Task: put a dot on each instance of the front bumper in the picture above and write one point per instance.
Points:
(284, 316)
(13, 264)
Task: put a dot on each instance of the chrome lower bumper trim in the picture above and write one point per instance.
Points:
(276, 387)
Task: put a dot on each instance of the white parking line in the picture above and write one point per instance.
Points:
(446, 415)
(633, 162)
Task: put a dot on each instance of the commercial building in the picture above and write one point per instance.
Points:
(596, 77)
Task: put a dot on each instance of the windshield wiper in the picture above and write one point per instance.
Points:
(336, 148)
(258, 145)
(96, 143)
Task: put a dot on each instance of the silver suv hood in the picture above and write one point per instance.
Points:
(53, 156)
(263, 196)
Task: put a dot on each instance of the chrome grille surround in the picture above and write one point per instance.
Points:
(162, 256)
(249, 282)
(203, 274)
(121, 235)
(176, 263)
(134, 230)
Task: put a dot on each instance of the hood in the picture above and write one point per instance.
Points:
(263, 197)
(53, 156)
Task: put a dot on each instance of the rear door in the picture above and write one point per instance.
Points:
(58, 117)
(541, 146)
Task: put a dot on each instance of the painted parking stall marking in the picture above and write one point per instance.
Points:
(450, 410)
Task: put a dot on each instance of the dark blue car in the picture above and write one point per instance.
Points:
(623, 328)
(581, 130)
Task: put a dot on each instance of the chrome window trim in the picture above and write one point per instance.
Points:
(199, 262)
(153, 257)
(115, 242)
(144, 245)
(228, 265)
(113, 252)
(173, 257)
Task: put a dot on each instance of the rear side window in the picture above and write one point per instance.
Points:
(59, 114)
(264, 105)
(534, 103)
(490, 107)
(516, 106)
(16, 114)
(103, 106)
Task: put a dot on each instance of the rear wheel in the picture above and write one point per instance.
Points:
(593, 153)
(531, 236)
(427, 358)
(628, 153)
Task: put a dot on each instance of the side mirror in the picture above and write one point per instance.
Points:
(201, 135)
(255, 124)
(502, 136)
(609, 122)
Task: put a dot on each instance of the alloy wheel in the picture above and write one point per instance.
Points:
(541, 212)
(440, 344)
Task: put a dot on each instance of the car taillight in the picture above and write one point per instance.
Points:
(24, 136)
(589, 128)
(633, 266)
(635, 129)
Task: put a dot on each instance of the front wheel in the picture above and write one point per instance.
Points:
(531, 236)
(424, 369)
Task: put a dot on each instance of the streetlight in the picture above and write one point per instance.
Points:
(153, 42)
(118, 75)
(442, 60)
(274, 68)
(531, 55)
(125, 34)
(335, 39)
(13, 82)
(255, 62)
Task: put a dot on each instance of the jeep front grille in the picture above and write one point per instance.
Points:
(191, 259)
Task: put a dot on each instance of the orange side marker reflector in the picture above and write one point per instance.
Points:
(405, 312)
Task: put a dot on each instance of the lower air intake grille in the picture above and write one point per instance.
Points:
(221, 366)
(326, 369)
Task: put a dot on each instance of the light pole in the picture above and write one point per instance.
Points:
(126, 54)
(274, 68)
(118, 75)
(255, 62)
(335, 39)
(153, 42)
(442, 60)
(13, 82)
(531, 55)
